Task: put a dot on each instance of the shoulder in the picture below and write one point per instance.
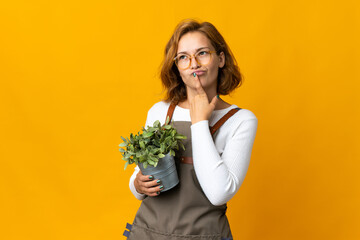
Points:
(244, 119)
(245, 114)
(159, 107)
(158, 111)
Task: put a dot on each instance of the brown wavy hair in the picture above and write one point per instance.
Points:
(229, 76)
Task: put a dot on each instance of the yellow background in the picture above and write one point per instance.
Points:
(77, 75)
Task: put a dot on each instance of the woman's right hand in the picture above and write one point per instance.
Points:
(145, 184)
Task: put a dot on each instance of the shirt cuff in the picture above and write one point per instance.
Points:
(200, 124)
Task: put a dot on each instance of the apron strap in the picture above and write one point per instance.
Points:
(187, 160)
(222, 120)
(170, 111)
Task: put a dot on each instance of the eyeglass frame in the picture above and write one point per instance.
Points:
(193, 56)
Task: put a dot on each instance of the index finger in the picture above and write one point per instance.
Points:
(198, 85)
(145, 178)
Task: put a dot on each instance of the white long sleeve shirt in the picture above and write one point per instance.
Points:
(221, 164)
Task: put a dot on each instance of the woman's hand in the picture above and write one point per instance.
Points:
(145, 184)
(200, 108)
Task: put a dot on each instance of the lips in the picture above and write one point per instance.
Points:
(198, 73)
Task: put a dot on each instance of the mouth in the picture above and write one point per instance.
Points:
(198, 73)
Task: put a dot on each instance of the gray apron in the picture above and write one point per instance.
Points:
(183, 212)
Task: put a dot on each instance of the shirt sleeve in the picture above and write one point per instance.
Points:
(220, 177)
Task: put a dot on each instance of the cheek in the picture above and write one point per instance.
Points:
(182, 75)
(185, 77)
(213, 70)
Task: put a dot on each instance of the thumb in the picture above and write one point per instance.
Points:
(214, 101)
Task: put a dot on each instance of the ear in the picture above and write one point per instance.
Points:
(221, 59)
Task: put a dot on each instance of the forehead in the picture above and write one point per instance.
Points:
(191, 41)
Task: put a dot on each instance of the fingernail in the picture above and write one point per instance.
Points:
(194, 74)
(157, 193)
(158, 181)
(151, 177)
(161, 187)
(218, 96)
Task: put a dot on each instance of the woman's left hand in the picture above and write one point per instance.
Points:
(200, 108)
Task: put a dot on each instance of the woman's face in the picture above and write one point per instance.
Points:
(195, 42)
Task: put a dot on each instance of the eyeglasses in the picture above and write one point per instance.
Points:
(183, 61)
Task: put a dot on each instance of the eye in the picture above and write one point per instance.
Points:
(202, 53)
(182, 57)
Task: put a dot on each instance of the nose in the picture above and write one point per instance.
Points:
(193, 63)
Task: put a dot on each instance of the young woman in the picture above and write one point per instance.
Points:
(198, 67)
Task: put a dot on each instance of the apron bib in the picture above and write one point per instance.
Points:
(183, 212)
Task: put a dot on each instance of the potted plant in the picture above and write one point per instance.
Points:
(153, 151)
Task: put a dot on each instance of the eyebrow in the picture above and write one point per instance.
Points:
(195, 51)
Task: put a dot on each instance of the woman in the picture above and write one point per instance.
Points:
(197, 68)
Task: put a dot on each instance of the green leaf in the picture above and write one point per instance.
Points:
(145, 164)
(162, 147)
(182, 145)
(174, 145)
(156, 123)
(178, 136)
(153, 158)
(161, 155)
(172, 152)
(142, 145)
(126, 164)
(167, 127)
(153, 150)
(123, 139)
(147, 141)
(121, 150)
(148, 134)
(152, 129)
(167, 139)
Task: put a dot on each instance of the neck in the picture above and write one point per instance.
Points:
(211, 93)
